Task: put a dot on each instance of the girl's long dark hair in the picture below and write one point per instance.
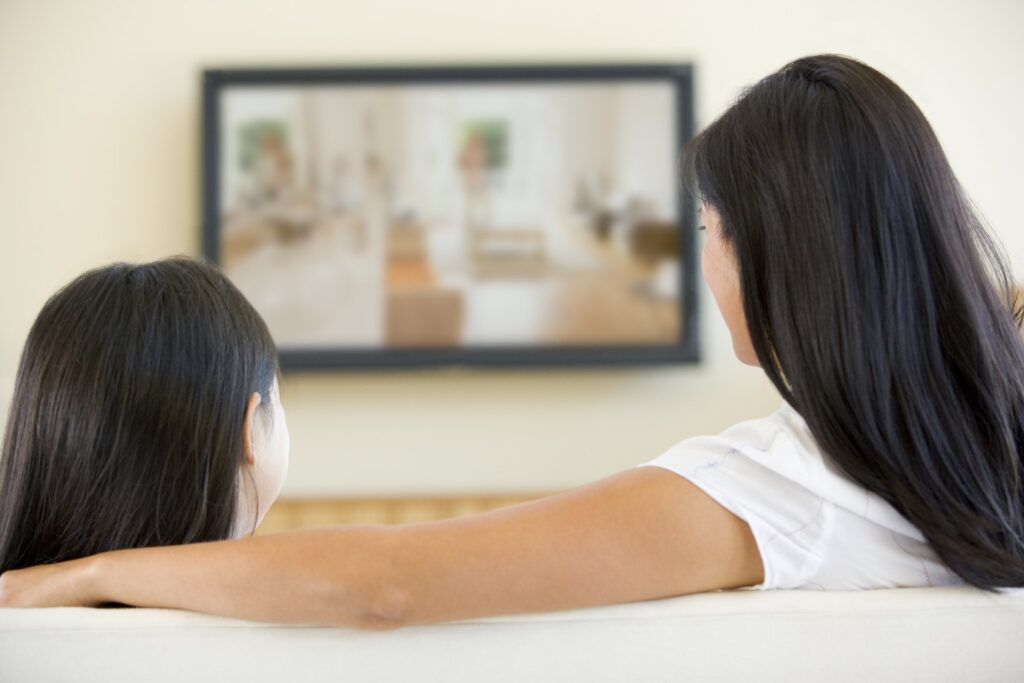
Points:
(125, 429)
(876, 302)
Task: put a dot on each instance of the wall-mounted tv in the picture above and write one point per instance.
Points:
(477, 215)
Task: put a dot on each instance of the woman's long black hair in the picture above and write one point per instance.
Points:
(876, 302)
(125, 429)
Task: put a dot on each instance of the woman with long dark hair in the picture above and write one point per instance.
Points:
(145, 413)
(847, 264)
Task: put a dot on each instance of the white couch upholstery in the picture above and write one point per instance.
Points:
(910, 634)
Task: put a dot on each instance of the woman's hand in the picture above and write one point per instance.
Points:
(65, 584)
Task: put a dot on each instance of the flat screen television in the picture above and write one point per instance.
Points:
(476, 215)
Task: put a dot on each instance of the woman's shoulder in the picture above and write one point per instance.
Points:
(779, 442)
(814, 524)
(779, 452)
(759, 471)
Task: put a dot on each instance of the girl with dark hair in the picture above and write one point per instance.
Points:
(145, 413)
(847, 264)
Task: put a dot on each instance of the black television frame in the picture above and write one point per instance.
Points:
(687, 350)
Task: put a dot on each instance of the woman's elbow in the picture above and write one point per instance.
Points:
(387, 608)
(383, 599)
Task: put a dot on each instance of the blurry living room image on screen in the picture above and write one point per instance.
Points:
(454, 215)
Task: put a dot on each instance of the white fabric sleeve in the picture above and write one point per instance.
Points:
(757, 471)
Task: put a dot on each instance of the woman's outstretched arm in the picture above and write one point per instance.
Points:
(640, 534)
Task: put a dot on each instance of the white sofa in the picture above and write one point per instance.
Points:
(908, 634)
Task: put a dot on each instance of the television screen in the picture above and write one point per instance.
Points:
(491, 215)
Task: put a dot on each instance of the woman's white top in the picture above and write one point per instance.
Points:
(815, 527)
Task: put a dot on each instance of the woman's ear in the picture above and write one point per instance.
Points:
(250, 411)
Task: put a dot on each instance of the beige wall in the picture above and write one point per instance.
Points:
(99, 132)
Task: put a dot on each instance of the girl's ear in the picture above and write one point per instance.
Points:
(250, 411)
